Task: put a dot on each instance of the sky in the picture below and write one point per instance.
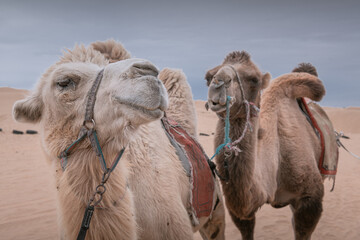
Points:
(194, 36)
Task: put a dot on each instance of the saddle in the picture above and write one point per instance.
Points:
(195, 163)
(324, 129)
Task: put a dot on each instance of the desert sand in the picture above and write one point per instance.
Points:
(28, 194)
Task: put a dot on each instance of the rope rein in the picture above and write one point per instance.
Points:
(227, 139)
(339, 135)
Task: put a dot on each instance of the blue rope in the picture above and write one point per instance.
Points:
(227, 139)
(117, 159)
(101, 155)
(64, 155)
(102, 159)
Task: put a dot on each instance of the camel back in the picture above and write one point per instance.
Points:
(324, 129)
(195, 163)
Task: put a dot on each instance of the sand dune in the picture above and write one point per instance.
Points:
(28, 203)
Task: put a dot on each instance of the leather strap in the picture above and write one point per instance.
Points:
(91, 98)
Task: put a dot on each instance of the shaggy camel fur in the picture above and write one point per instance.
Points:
(148, 193)
(278, 159)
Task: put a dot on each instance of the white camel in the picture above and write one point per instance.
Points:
(148, 193)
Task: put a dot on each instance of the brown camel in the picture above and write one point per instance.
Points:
(148, 193)
(278, 159)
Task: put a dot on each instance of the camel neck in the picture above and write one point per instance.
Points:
(247, 145)
(241, 167)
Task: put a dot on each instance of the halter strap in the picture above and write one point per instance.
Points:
(244, 100)
(91, 97)
(240, 83)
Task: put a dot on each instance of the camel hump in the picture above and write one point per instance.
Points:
(237, 57)
(306, 67)
(173, 79)
(112, 50)
(296, 85)
(181, 104)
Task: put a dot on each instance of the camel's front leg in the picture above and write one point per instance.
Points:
(246, 227)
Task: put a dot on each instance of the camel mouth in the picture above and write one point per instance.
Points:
(157, 113)
(217, 107)
(154, 112)
(147, 97)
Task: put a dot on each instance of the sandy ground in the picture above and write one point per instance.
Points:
(28, 203)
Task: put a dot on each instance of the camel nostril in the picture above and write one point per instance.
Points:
(145, 68)
(214, 103)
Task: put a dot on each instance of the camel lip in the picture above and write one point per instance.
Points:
(155, 112)
(218, 108)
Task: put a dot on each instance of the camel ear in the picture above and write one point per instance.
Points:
(265, 80)
(28, 110)
(210, 74)
(207, 106)
(112, 50)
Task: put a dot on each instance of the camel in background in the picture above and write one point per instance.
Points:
(148, 193)
(278, 159)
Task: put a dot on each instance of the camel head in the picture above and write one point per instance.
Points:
(129, 95)
(223, 81)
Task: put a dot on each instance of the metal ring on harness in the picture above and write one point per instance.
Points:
(99, 190)
(92, 122)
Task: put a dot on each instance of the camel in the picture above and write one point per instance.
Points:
(277, 162)
(147, 195)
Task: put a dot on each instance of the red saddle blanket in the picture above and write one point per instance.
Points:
(195, 162)
(323, 127)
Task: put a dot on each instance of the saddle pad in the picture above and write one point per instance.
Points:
(201, 178)
(329, 150)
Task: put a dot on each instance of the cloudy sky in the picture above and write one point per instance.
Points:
(191, 35)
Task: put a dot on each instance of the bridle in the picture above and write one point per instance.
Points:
(88, 129)
(247, 105)
(228, 145)
(245, 102)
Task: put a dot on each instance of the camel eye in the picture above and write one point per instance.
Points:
(254, 81)
(65, 83)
